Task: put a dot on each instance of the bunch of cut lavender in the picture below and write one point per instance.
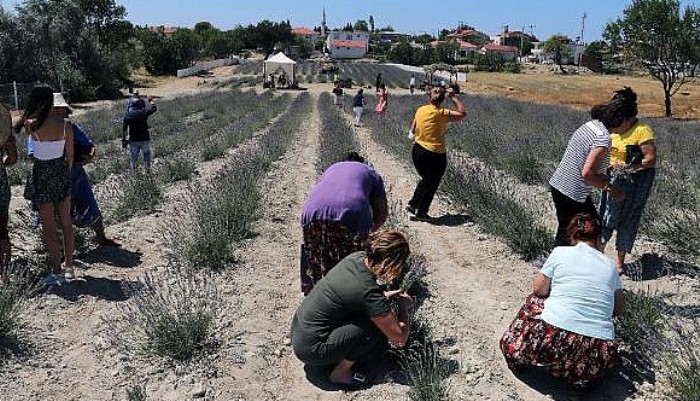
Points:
(416, 272)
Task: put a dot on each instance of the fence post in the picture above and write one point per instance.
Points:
(14, 86)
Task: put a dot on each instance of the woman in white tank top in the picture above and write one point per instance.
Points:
(49, 185)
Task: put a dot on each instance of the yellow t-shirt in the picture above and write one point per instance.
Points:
(431, 126)
(638, 134)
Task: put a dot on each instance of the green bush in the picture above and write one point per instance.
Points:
(169, 315)
(212, 151)
(16, 286)
(425, 370)
(139, 194)
(179, 170)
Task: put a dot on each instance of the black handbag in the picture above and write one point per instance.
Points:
(633, 154)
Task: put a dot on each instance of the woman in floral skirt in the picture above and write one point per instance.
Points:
(566, 324)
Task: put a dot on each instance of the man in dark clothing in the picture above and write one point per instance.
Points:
(136, 128)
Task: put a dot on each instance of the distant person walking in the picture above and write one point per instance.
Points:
(584, 166)
(378, 81)
(358, 106)
(338, 96)
(49, 185)
(633, 167)
(412, 84)
(346, 204)
(8, 152)
(382, 100)
(135, 132)
(429, 152)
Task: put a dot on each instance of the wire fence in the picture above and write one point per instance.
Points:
(15, 94)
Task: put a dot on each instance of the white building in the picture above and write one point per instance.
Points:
(347, 45)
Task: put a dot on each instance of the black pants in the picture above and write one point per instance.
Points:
(431, 167)
(566, 209)
(357, 341)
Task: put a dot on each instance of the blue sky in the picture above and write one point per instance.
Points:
(547, 16)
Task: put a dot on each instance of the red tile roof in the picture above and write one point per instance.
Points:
(502, 49)
(466, 45)
(349, 43)
(302, 30)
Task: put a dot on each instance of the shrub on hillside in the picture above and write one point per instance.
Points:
(138, 194)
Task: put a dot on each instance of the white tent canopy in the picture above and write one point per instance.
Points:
(280, 62)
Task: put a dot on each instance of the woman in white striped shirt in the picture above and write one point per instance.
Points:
(583, 167)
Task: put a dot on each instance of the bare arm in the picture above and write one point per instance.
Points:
(461, 112)
(619, 307)
(69, 146)
(592, 177)
(396, 329)
(648, 155)
(10, 148)
(541, 285)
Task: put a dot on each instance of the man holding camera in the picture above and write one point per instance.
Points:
(135, 132)
(429, 152)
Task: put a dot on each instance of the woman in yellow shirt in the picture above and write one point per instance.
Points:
(429, 152)
(633, 168)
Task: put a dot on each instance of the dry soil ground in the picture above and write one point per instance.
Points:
(476, 284)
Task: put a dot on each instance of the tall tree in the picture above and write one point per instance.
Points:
(656, 35)
(558, 46)
(371, 23)
(361, 25)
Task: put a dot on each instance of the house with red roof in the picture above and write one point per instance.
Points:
(508, 52)
(306, 33)
(347, 45)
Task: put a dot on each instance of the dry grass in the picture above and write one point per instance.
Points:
(583, 91)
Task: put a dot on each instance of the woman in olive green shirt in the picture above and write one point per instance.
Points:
(347, 318)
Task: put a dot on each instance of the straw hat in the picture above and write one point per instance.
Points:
(59, 101)
(5, 123)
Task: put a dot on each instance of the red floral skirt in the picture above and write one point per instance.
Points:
(325, 244)
(530, 341)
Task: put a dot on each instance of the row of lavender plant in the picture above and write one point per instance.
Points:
(493, 204)
(222, 211)
(337, 137)
(140, 194)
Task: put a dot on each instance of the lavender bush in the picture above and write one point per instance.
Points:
(170, 315)
(223, 210)
(337, 139)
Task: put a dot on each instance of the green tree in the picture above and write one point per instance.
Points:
(446, 52)
(558, 46)
(656, 35)
(361, 25)
(524, 45)
(597, 49)
(403, 53)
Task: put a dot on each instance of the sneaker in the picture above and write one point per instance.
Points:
(423, 217)
(53, 279)
(69, 272)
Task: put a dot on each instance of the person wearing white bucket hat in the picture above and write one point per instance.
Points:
(8, 153)
(49, 186)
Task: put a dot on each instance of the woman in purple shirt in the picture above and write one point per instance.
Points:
(346, 204)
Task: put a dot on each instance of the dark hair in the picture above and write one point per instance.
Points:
(354, 157)
(583, 227)
(611, 114)
(39, 105)
(139, 104)
(382, 86)
(359, 91)
(387, 252)
(629, 100)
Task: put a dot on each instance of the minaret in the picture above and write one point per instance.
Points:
(323, 23)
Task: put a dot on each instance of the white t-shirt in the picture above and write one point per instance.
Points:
(582, 295)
